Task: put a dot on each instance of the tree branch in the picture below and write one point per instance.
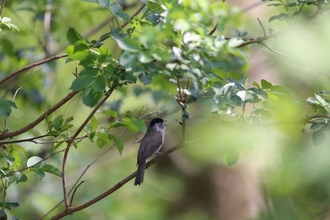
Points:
(115, 187)
(66, 152)
(41, 118)
(2, 6)
(31, 66)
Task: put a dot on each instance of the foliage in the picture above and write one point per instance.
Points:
(190, 56)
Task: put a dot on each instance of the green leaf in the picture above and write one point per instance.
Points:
(9, 205)
(10, 159)
(99, 83)
(19, 149)
(145, 57)
(272, 96)
(104, 3)
(66, 127)
(256, 85)
(57, 123)
(115, 8)
(81, 82)
(68, 120)
(22, 179)
(9, 103)
(18, 159)
(39, 172)
(117, 124)
(111, 113)
(128, 44)
(230, 157)
(5, 110)
(103, 139)
(51, 169)
(123, 16)
(128, 59)
(73, 36)
(94, 123)
(265, 84)
(139, 124)
(129, 122)
(91, 97)
(92, 1)
(79, 51)
(100, 143)
(146, 79)
(318, 137)
(118, 142)
(53, 133)
(33, 160)
(185, 115)
(219, 72)
(321, 100)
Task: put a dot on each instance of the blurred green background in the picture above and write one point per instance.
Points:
(280, 173)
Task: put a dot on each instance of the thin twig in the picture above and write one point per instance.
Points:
(2, 81)
(74, 192)
(33, 140)
(133, 15)
(274, 51)
(213, 30)
(2, 6)
(263, 29)
(66, 152)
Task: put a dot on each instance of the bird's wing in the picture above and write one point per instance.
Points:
(149, 146)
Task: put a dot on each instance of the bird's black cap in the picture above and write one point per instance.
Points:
(155, 121)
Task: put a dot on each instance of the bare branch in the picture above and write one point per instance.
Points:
(263, 29)
(74, 191)
(2, 6)
(214, 29)
(31, 66)
(274, 51)
(66, 152)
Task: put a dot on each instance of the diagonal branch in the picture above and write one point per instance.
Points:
(40, 119)
(66, 152)
(114, 188)
(2, 81)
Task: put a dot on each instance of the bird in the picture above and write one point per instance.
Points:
(150, 145)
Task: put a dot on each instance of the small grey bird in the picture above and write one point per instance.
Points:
(150, 145)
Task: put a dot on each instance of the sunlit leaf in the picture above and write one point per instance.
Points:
(230, 157)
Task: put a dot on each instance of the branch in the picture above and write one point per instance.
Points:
(318, 11)
(31, 66)
(66, 152)
(74, 191)
(134, 14)
(213, 30)
(115, 187)
(2, 6)
(33, 140)
(41, 118)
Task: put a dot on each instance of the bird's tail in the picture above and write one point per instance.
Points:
(140, 173)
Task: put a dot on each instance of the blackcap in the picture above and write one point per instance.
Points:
(150, 145)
